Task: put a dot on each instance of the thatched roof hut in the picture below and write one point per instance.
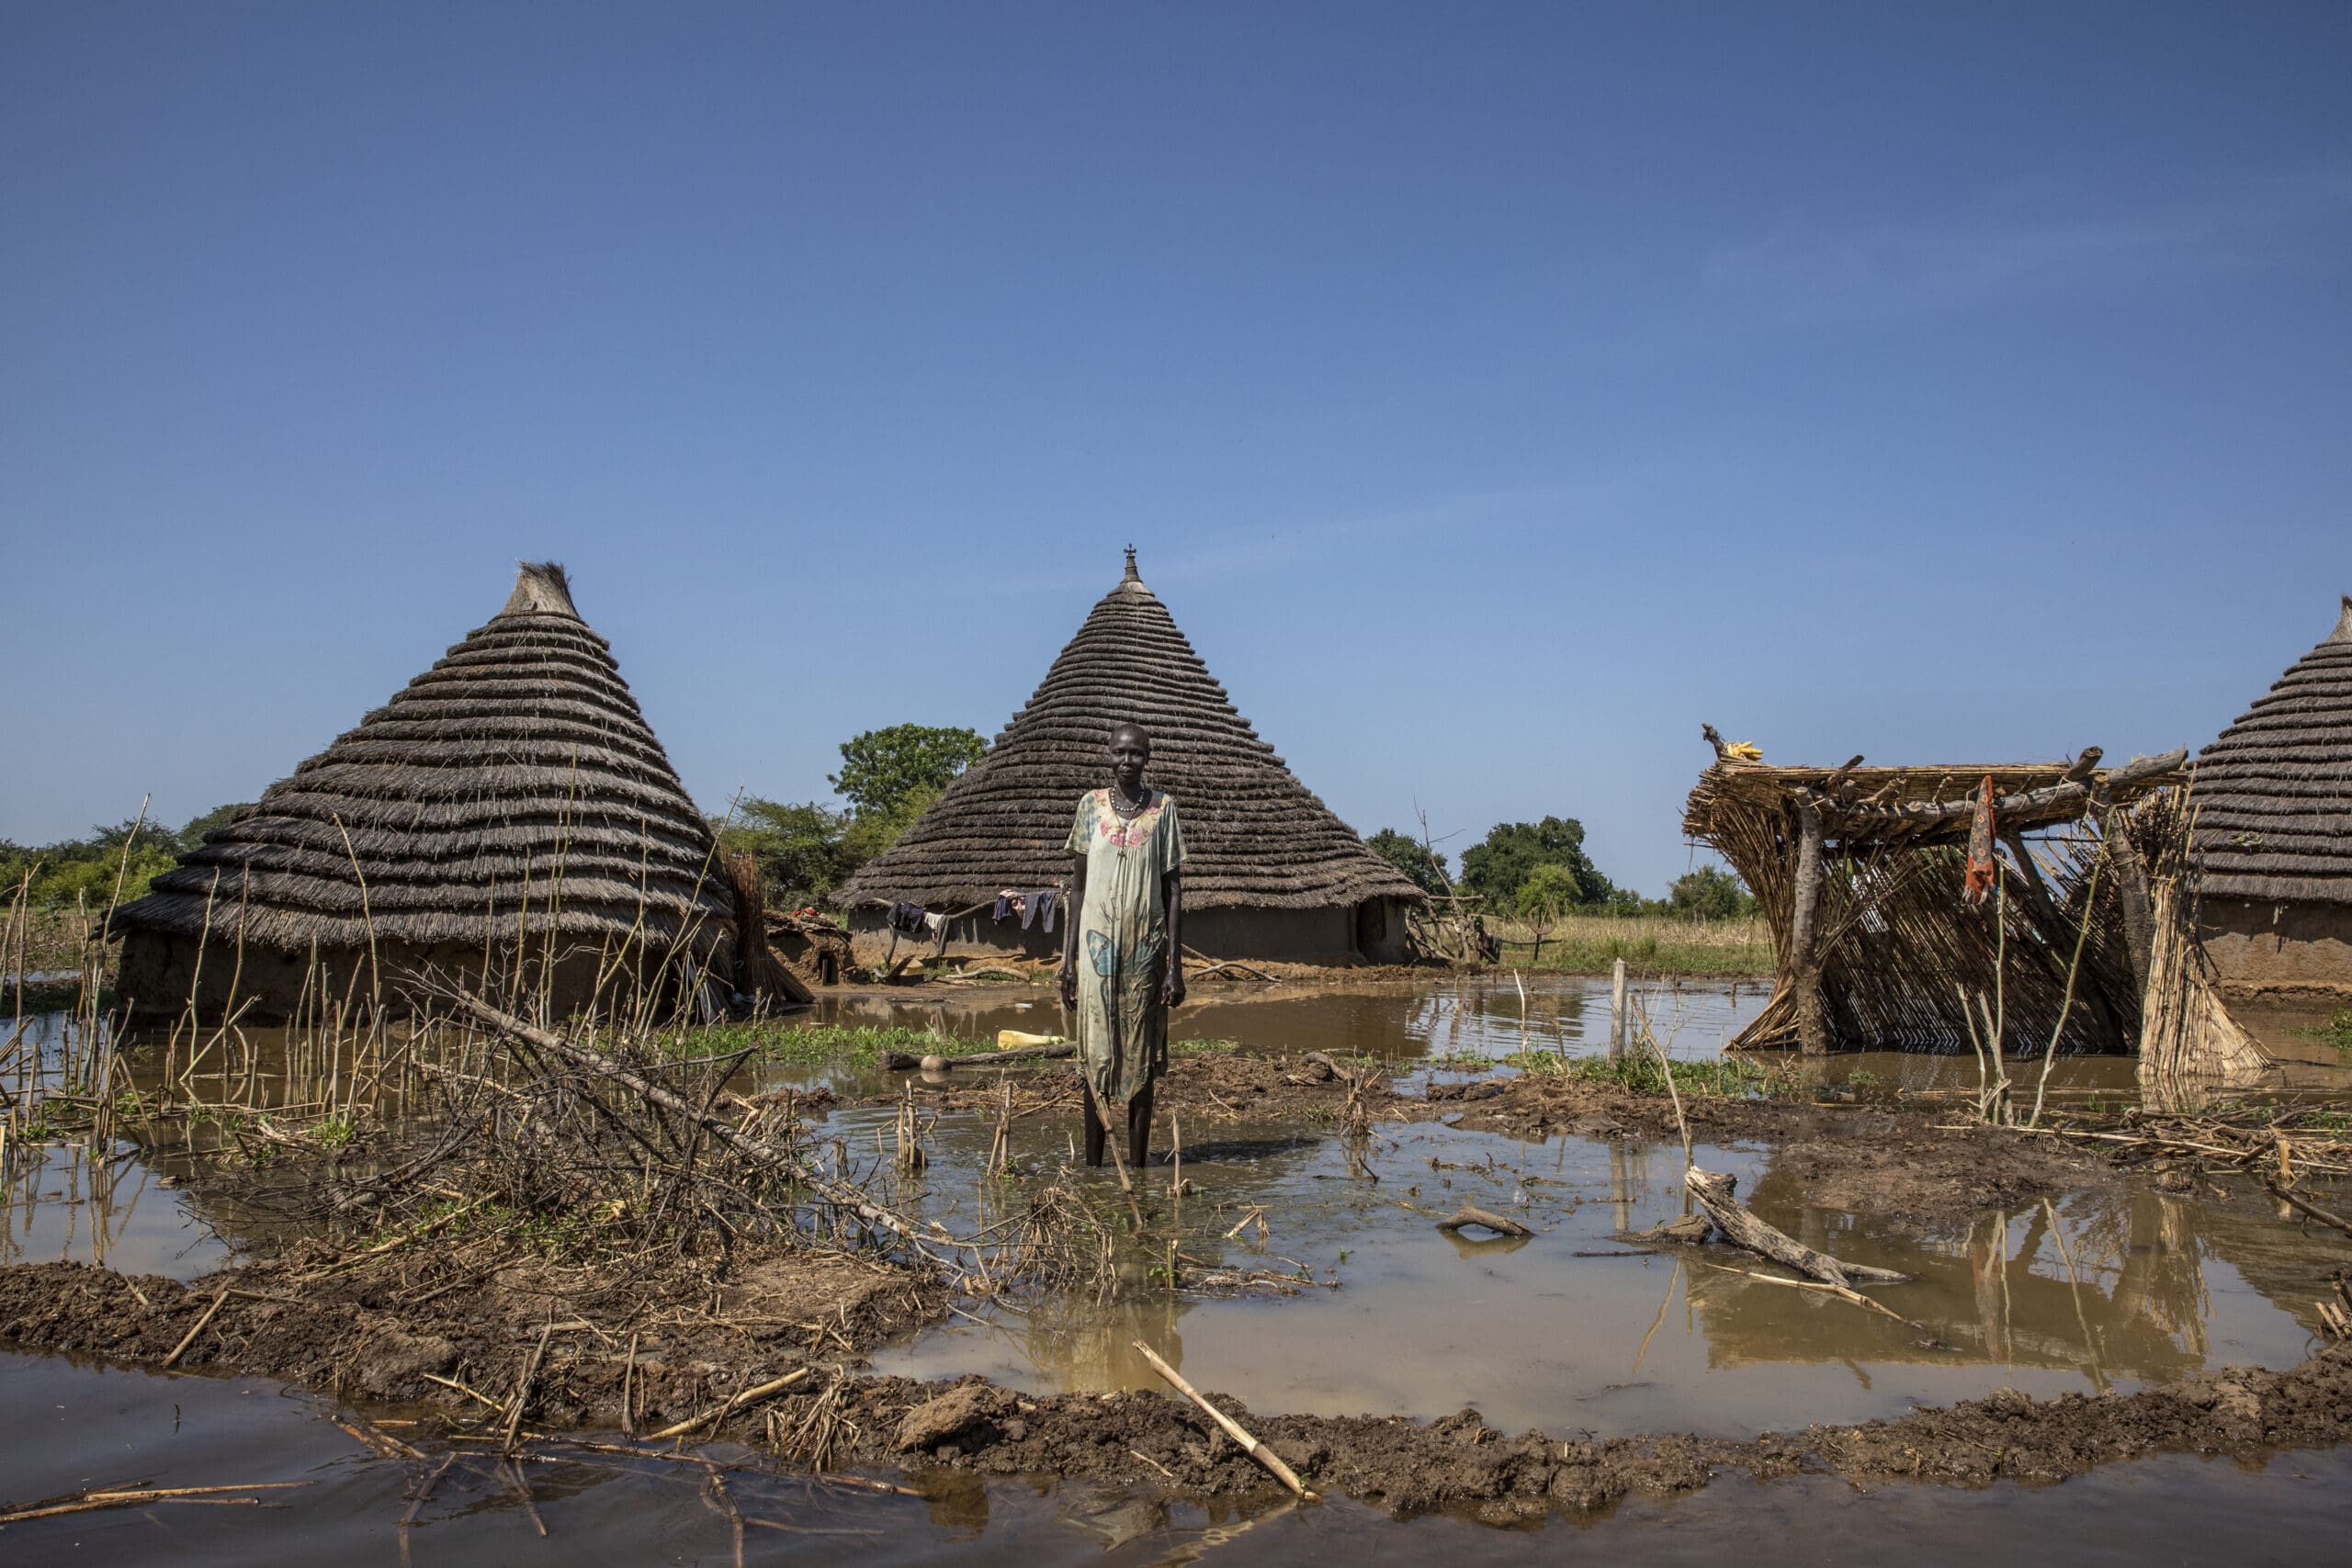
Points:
(1271, 872)
(511, 794)
(1859, 873)
(2273, 835)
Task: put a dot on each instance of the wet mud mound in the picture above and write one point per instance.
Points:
(812, 1311)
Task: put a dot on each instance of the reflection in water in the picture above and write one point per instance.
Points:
(2105, 1288)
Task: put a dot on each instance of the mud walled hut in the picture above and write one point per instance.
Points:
(2273, 848)
(507, 820)
(1271, 873)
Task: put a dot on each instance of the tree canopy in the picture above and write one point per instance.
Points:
(881, 768)
(1424, 867)
(1500, 867)
(1709, 893)
(889, 777)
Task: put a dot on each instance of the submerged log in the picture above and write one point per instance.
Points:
(1501, 1224)
(1741, 1228)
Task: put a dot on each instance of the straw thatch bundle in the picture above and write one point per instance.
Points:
(1880, 950)
(2274, 792)
(514, 787)
(1254, 835)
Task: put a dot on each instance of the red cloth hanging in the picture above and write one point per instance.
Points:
(1982, 868)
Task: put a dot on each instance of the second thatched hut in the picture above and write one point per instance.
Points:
(1271, 874)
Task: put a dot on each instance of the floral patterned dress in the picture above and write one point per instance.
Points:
(1123, 941)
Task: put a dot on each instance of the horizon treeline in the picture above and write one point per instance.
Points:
(1539, 868)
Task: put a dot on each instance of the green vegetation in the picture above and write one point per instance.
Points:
(79, 874)
(1422, 866)
(1523, 867)
(882, 768)
(889, 777)
(1710, 893)
(1724, 1077)
(818, 1045)
(2336, 1031)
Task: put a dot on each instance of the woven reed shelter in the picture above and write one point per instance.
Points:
(1859, 871)
(507, 818)
(1271, 873)
(2273, 838)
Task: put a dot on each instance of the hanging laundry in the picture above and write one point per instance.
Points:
(1027, 904)
(911, 919)
(1046, 899)
(1003, 906)
(1983, 869)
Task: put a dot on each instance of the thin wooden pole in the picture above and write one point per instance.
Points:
(1804, 963)
(1249, 1445)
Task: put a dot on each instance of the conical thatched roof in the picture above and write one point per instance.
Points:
(517, 771)
(2274, 793)
(1253, 834)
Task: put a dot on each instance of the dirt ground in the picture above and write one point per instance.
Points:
(815, 1310)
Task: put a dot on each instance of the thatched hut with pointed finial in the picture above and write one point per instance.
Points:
(1270, 873)
(506, 819)
(2273, 838)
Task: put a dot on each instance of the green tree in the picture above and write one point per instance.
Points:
(882, 768)
(218, 817)
(1709, 894)
(1424, 867)
(1549, 889)
(1497, 867)
(798, 846)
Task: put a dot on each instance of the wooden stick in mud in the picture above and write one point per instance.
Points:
(189, 1338)
(1741, 1228)
(1249, 1445)
(1111, 1137)
(755, 1149)
(725, 1408)
(1501, 1224)
(128, 1498)
(522, 1390)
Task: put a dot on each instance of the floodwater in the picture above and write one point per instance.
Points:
(2096, 1289)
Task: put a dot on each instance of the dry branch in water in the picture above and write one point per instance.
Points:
(1741, 1228)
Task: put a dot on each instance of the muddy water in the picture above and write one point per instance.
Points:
(2097, 1290)
(71, 1427)
(1462, 1026)
(2102, 1289)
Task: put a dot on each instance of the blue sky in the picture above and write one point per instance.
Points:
(1494, 393)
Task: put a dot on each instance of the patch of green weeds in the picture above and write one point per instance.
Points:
(2336, 1031)
(1724, 1077)
(819, 1044)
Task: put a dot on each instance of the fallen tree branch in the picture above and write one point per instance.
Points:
(1501, 1224)
(2313, 1209)
(756, 1150)
(1741, 1228)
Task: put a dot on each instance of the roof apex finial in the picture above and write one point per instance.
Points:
(541, 588)
(2343, 632)
(1134, 576)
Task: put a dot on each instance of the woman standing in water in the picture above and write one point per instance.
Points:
(1123, 962)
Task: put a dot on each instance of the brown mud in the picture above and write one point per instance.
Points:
(816, 1309)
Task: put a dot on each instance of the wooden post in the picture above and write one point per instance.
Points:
(1617, 1019)
(1804, 962)
(2132, 893)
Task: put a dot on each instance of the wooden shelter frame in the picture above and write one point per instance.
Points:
(1857, 873)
